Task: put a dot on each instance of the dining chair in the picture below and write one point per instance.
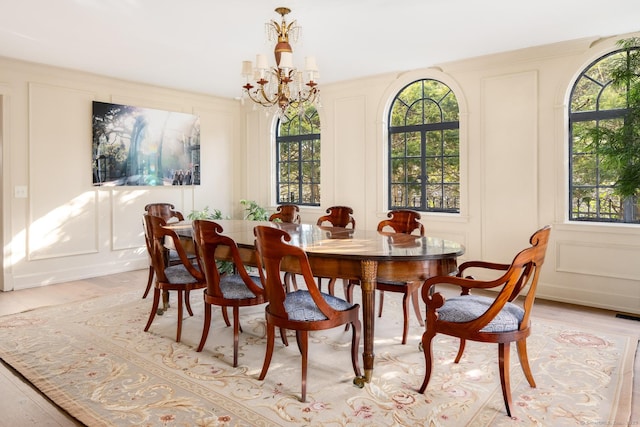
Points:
(286, 213)
(494, 319)
(167, 212)
(403, 221)
(303, 311)
(182, 278)
(337, 216)
(235, 290)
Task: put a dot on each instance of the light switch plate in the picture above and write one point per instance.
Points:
(20, 192)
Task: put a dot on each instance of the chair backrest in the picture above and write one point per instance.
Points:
(338, 216)
(402, 221)
(531, 259)
(157, 234)
(165, 211)
(208, 239)
(271, 244)
(286, 213)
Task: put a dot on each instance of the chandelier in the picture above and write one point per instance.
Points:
(284, 85)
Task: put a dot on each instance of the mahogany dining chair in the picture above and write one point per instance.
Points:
(337, 216)
(286, 213)
(492, 319)
(302, 310)
(167, 212)
(235, 290)
(182, 278)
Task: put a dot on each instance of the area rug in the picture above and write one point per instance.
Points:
(94, 360)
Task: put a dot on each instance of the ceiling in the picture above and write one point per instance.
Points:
(198, 45)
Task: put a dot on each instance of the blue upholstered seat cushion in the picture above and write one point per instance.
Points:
(179, 274)
(233, 287)
(470, 307)
(300, 306)
(174, 257)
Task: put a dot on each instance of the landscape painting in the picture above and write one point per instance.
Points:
(144, 147)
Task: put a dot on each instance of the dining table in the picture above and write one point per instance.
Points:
(365, 256)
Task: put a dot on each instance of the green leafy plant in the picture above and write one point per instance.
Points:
(617, 142)
(224, 267)
(205, 214)
(255, 212)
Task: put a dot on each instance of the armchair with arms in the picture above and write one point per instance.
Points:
(493, 319)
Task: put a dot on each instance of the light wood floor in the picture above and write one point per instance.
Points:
(22, 405)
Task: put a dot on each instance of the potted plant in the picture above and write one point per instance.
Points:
(205, 214)
(255, 212)
(617, 142)
(224, 267)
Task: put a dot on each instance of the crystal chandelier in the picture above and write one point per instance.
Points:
(283, 85)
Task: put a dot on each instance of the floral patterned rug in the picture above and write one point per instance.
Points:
(94, 360)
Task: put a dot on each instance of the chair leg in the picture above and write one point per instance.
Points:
(303, 344)
(290, 282)
(187, 302)
(206, 326)
(179, 332)
(405, 315)
(524, 361)
(345, 288)
(154, 308)
(503, 362)
(460, 350)
(348, 294)
(415, 297)
(355, 344)
(283, 336)
(332, 285)
(236, 332)
(149, 282)
(225, 315)
(427, 338)
(271, 335)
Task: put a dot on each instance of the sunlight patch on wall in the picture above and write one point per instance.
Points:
(69, 229)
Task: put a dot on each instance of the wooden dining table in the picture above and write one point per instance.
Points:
(362, 255)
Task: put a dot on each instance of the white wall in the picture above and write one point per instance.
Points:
(514, 151)
(67, 229)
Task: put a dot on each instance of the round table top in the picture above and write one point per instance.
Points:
(346, 242)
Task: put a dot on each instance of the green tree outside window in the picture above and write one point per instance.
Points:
(424, 139)
(298, 157)
(604, 138)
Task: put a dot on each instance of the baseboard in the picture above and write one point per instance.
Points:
(628, 316)
(81, 272)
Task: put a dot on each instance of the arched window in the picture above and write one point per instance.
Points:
(298, 157)
(596, 103)
(424, 140)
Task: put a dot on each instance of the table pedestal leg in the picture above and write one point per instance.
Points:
(165, 303)
(368, 288)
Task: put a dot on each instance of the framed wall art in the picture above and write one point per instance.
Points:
(142, 146)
